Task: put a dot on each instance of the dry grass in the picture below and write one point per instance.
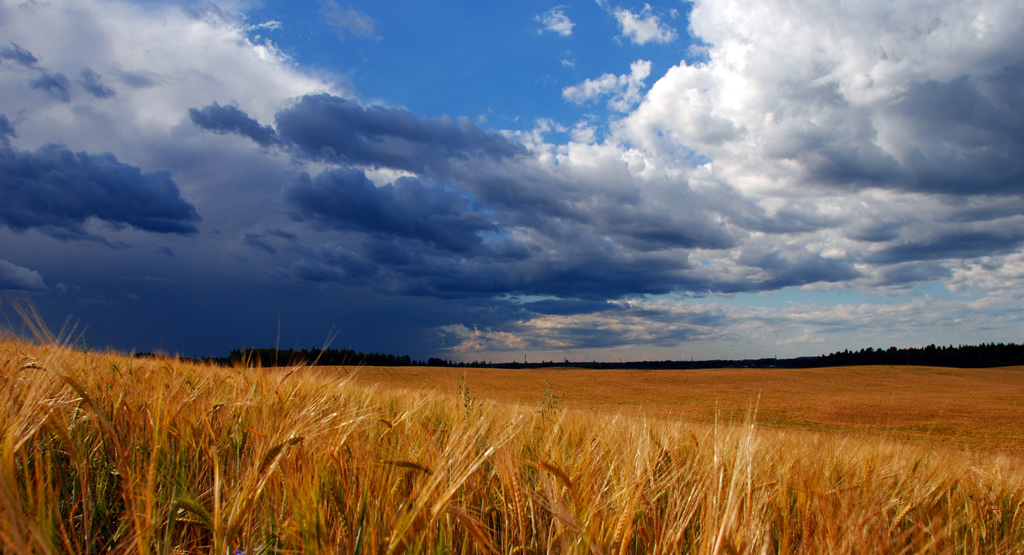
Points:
(102, 453)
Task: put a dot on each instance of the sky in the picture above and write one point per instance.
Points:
(599, 180)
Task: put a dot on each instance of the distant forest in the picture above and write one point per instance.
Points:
(985, 355)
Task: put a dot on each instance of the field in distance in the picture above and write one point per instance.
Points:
(976, 408)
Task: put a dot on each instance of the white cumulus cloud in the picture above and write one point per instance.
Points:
(624, 90)
(644, 27)
(556, 21)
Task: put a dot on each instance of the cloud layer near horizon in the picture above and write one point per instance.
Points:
(872, 152)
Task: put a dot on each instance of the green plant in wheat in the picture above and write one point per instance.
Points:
(468, 400)
(549, 405)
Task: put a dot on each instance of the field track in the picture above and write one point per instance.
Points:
(975, 409)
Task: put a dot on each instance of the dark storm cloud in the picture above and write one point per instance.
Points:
(56, 191)
(263, 240)
(54, 84)
(971, 134)
(787, 268)
(16, 278)
(589, 269)
(229, 119)
(339, 131)
(505, 226)
(837, 153)
(93, 84)
(791, 218)
(963, 136)
(647, 228)
(493, 169)
(18, 55)
(984, 209)
(346, 200)
(914, 272)
(953, 244)
(875, 232)
(598, 274)
(603, 202)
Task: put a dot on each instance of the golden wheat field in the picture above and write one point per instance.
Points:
(975, 408)
(102, 452)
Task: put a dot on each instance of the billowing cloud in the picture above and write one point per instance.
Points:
(846, 98)
(56, 191)
(16, 278)
(556, 21)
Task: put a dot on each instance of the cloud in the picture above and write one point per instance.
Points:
(18, 55)
(408, 209)
(964, 243)
(961, 136)
(556, 21)
(54, 84)
(787, 268)
(229, 119)
(624, 90)
(894, 97)
(811, 149)
(805, 338)
(92, 83)
(140, 79)
(55, 190)
(561, 328)
(341, 131)
(913, 273)
(271, 25)
(16, 278)
(347, 21)
(643, 27)
(6, 131)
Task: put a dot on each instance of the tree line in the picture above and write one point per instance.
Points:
(322, 357)
(985, 355)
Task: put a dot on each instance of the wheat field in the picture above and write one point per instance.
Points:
(965, 408)
(106, 453)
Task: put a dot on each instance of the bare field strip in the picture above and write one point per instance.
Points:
(976, 408)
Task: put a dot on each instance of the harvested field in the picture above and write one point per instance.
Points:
(976, 408)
